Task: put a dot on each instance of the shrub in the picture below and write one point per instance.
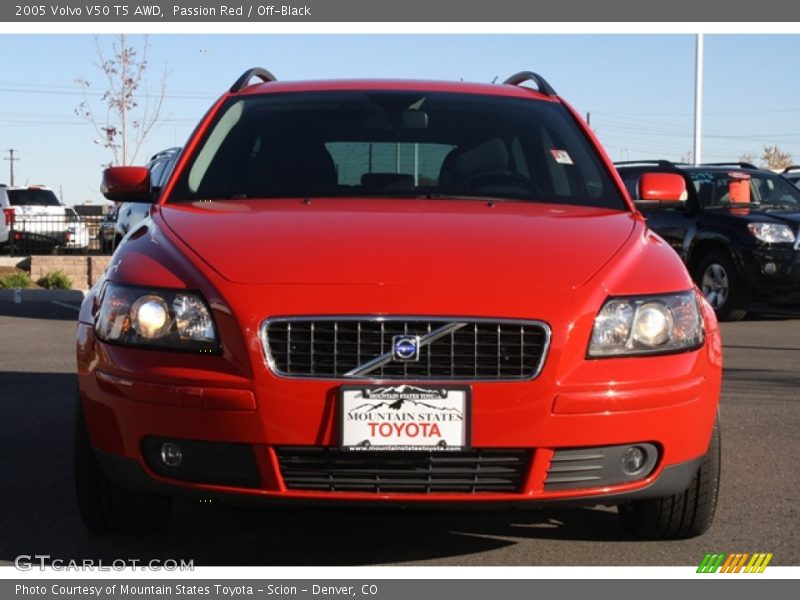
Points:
(57, 280)
(18, 279)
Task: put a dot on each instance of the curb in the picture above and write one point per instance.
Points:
(73, 296)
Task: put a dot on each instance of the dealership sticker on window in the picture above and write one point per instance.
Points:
(562, 157)
(404, 417)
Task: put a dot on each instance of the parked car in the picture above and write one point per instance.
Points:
(77, 232)
(736, 229)
(35, 216)
(131, 213)
(398, 292)
(793, 174)
(107, 228)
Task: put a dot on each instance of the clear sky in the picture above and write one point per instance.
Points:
(638, 89)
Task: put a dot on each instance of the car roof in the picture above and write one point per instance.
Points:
(704, 167)
(27, 187)
(416, 85)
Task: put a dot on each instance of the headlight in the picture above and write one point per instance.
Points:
(137, 316)
(647, 325)
(772, 233)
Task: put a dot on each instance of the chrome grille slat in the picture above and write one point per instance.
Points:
(475, 354)
(358, 343)
(359, 348)
(429, 356)
(311, 353)
(288, 345)
(335, 346)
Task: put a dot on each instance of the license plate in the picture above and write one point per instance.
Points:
(404, 417)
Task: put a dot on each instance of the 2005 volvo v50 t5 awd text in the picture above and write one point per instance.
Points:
(401, 292)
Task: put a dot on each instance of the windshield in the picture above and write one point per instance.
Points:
(32, 197)
(742, 188)
(402, 144)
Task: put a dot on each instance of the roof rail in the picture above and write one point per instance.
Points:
(786, 170)
(244, 80)
(659, 162)
(743, 165)
(541, 83)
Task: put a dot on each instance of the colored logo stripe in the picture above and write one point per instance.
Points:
(711, 563)
(734, 563)
(758, 563)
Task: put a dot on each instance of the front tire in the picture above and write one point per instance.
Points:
(683, 515)
(105, 507)
(722, 286)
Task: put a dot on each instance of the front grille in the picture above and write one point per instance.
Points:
(466, 472)
(361, 348)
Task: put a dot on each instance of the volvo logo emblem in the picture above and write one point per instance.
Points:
(405, 348)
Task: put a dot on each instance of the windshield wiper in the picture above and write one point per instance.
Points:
(482, 197)
(772, 205)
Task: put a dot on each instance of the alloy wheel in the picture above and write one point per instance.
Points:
(715, 285)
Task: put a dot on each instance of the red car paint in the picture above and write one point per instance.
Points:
(257, 258)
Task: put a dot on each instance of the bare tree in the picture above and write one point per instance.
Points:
(748, 157)
(773, 158)
(131, 109)
(776, 159)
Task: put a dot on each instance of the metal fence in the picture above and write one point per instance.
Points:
(54, 234)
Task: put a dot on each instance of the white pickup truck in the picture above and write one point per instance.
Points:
(32, 219)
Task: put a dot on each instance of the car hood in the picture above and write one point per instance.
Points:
(400, 242)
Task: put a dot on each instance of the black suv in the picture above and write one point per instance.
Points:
(737, 228)
(792, 174)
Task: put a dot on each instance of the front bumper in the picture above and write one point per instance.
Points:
(128, 397)
(773, 273)
(129, 473)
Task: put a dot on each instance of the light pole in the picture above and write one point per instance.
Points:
(11, 160)
(698, 99)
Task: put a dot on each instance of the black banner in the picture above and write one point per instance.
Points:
(410, 11)
(382, 589)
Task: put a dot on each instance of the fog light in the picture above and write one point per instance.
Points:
(770, 268)
(633, 460)
(171, 455)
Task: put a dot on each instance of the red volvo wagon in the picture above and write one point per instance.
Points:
(402, 292)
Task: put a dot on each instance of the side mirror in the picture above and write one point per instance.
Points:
(127, 184)
(661, 190)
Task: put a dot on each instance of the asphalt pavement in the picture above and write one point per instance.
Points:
(758, 508)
